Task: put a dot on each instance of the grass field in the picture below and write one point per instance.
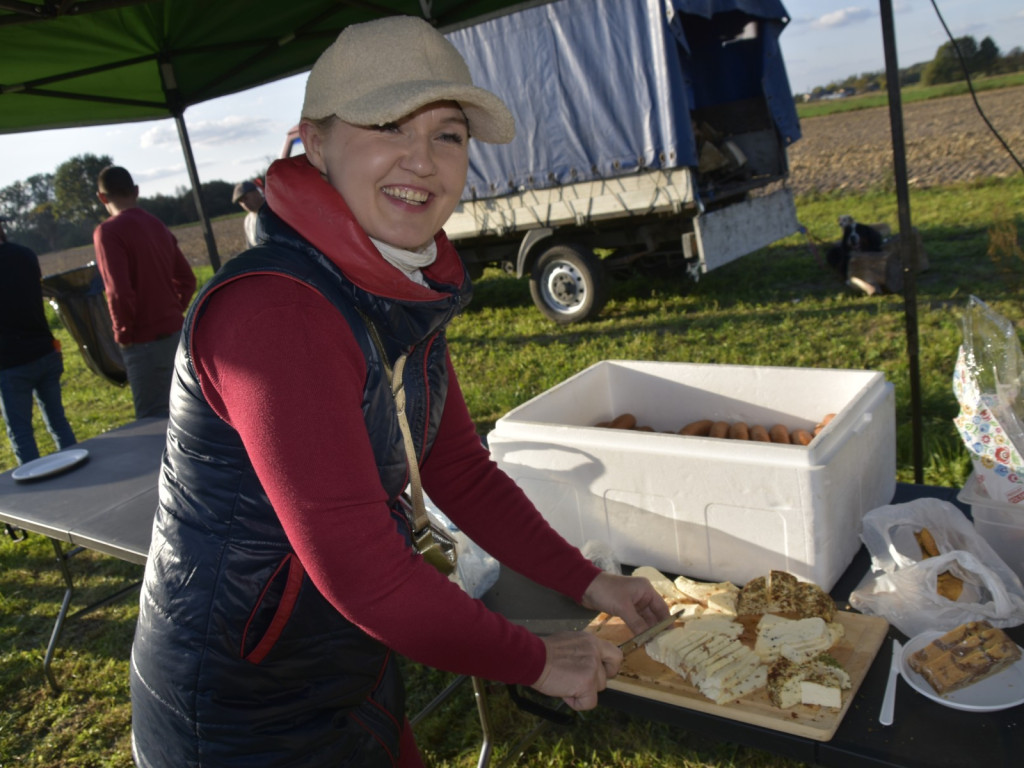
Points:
(908, 95)
(779, 306)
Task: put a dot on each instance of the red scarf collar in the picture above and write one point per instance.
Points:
(308, 204)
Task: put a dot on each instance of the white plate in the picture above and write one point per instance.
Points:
(1000, 691)
(52, 464)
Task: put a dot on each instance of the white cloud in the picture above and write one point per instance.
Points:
(155, 174)
(842, 17)
(227, 129)
(157, 136)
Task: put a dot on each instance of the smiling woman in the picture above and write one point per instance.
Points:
(402, 180)
(313, 384)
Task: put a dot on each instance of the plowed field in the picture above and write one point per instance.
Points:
(946, 141)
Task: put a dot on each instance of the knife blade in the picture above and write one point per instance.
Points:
(885, 717)
(647, 635)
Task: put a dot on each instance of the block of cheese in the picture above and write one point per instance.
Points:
(781, 592)
(819, 681)
(708, 653)
(798, 640)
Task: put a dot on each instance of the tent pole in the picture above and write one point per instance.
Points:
(907, 241)
(193, 175)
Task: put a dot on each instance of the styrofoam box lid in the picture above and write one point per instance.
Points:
(667, 395)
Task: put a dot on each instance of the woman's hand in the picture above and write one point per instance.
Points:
(577, 667)
(631, 598)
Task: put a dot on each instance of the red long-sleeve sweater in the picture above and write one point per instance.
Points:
(148, 281)
(279, 363)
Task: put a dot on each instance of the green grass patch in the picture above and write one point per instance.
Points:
(779, 306)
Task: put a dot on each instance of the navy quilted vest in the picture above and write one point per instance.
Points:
(238, 660)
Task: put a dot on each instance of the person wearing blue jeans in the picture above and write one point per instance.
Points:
(41, 378)
(30, 360)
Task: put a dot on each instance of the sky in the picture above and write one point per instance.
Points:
(236, 137)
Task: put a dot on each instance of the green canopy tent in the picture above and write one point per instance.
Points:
(67, 63)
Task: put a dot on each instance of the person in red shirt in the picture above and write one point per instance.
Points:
(282, 581)
(148, 283)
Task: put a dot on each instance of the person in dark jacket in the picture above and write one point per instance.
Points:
(282, 581)
(30, 359)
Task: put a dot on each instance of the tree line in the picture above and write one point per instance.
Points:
(54, 211)
(951, 60)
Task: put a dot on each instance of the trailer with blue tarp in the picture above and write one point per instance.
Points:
(646, 129)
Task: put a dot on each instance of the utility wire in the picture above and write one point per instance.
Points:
(970, 87)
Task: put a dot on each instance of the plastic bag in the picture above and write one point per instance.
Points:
(988, 382)
(902, 586)
(475, 570)
(600, 554)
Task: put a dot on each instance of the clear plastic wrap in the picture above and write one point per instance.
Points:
(987, 382)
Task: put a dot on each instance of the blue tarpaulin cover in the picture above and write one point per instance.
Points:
(602, 88)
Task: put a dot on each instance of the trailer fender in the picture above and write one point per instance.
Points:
(531, 240)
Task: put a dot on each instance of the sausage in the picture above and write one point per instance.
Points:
(800, 437)
(719, 429)
(779, 434)
(738, 431)
(759, 433)
(823, 423)
(697, 428)
(623, 421)
(603, 424)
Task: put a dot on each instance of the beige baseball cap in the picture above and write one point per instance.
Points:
(383, 70)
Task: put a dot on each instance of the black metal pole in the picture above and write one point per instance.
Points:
(908, 250)
(193, 175)
(177, 108)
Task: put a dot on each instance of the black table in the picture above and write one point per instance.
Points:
(924, 734)
(105, 504)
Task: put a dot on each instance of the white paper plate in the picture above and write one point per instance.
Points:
(53, 464)
(1000, 691)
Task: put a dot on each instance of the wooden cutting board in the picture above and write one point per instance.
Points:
(640, 675)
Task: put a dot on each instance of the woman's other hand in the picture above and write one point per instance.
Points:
(631, 598)
(577, 668)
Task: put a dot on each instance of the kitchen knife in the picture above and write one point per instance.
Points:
(647, 635)
(889, 700)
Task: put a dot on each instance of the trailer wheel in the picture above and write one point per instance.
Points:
(567, 284)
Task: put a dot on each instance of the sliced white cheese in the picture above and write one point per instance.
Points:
(757, 679)
(823, 695)
(725, 656)
(741, 665)
(798, 640)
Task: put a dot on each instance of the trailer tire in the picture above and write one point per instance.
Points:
(567, 283)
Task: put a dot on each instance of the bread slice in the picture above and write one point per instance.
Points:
(678, 603)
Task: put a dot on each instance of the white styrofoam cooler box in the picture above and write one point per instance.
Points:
(705, 507)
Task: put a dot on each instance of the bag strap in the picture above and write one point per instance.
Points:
(432, 543)
(420, 520)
